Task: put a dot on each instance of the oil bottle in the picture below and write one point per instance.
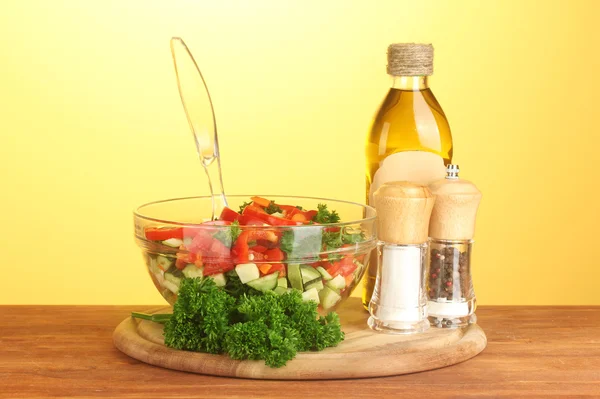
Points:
(410, 138)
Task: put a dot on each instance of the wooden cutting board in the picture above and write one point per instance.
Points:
(364, 353)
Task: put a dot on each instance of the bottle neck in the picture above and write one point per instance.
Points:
(413, 83)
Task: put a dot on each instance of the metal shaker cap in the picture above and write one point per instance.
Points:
(452, 171)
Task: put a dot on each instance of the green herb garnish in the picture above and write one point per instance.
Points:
(324, 216)
(273, 208)
(333, 240)
(265, 327)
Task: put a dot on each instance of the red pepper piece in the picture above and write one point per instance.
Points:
(287, 209)
(246, 220)
(274, 255)
(257, 213)
(229, 215)
(259, 248)
(241, 250)
(161, 234)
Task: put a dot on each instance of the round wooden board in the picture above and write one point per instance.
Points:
(364, 353)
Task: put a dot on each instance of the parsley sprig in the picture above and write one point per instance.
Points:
(324, 216)
(265, 327)
(273, 208)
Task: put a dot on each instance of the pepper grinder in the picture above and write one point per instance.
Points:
(452, 301)
(399, 301)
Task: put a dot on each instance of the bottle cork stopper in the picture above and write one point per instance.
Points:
(455, 210)
(410, 59)
(403, 210)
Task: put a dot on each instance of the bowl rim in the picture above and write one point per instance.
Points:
(137, 212)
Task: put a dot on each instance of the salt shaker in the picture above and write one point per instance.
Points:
(451, 296)
(399, 301)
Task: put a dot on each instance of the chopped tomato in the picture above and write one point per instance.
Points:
(333, 268)
(348, 266)
(161, 234)
(229, 215)
(274, 255)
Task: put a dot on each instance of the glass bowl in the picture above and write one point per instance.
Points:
(324, 261)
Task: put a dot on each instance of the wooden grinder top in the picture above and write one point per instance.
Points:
(403, 211)
(455, 210)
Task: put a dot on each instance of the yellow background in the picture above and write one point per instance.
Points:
(91, 125)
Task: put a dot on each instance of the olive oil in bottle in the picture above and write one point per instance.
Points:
(410, 138)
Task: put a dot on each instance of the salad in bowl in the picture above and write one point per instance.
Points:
(259, 244)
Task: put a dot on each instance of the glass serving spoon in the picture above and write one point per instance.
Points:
(201, 117)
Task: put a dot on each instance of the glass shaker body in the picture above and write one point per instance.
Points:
(451, 298)
(399, 301)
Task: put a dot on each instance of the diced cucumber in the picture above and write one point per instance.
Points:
(282, 282)
(164, 263)
(160, 278)
(187, 241)
(174, 288)
(266, 283)
(311, 282)
(311, 295)
(192, 271)
(295, 276)
(171, 278)
(173, 242)
(247, 272)
(329, 298)
(338, 283)
(152, 265)
(309, 273)
(318, 284)
(175, 272)
(324, 273)
(280, 290)
(219, 279)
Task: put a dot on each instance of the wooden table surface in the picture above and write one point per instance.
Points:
(67, 351)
